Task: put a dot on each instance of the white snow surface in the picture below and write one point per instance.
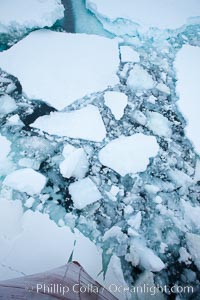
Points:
(28, 14)
(5, 146)
(84, 192)
(155, 13)
(84, 64)
(129, 154)
(187, 64)
(117, 102)
(7, 104)
(34, 230)
(75, 163)
(128, 54)
(139, 79)
(26, 180)
(193, 244)
(85, 123)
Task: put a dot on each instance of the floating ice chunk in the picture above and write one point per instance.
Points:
(128, 54)
(145, 14)
(85, 123)
(191, 215)
(147, 258)
(89, 60)
(139, 117)
(26, 180)
(22, 15)
(179, 178)
(152, 99)
(187, 64)
(5, 146)
(163, 88)
(139, 79)
(197, 171)
(14, 120)
(159, 124)
(7, 104)
(193, 244)
(75, 163)
(117, 102)
(129, 154)
(135, 221)
(84, 192)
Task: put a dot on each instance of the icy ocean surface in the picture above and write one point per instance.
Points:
(99, 142)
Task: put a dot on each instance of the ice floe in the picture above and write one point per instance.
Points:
(139, 79)
(22, 15)
(85, 123)
(7, 104)
(129, 154)
(159, 124)
(128, 54)
(84, 192)
(144, 14)
(89, 61)
(26, 180)
(75, 163)
(187, 64)
(117, 102)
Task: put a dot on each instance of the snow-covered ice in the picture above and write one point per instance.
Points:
(87, 60)
(146, 14)
(75, 163)
(187, 64)
(26, 180)
(5, 145)
(145, 257)
(29, 14)
(85, 123)
(128, 54)
(193, 244)
(159, 124)
(7, 104)
(52, 245)
(139, 79)
(117, 102)
(84, 192)
(129, 154)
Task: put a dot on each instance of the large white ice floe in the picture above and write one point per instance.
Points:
(34, 230)
(129, 154)
(29, 14)
(88, 62)
(145, 14)
(75, 163)
(26, 180)
(187, 64)
(85, 123)
(117, 102)
(84, 192)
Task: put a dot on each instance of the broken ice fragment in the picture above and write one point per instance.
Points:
(7, 104)
(26, 180)
(117, 102)
(75, 163)
(87, 60)
(129, 154)
(159, 124)
(5, 145)
(139, 79)
(147, 258)
(84, 192)
(193, 244)
(85, 123)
